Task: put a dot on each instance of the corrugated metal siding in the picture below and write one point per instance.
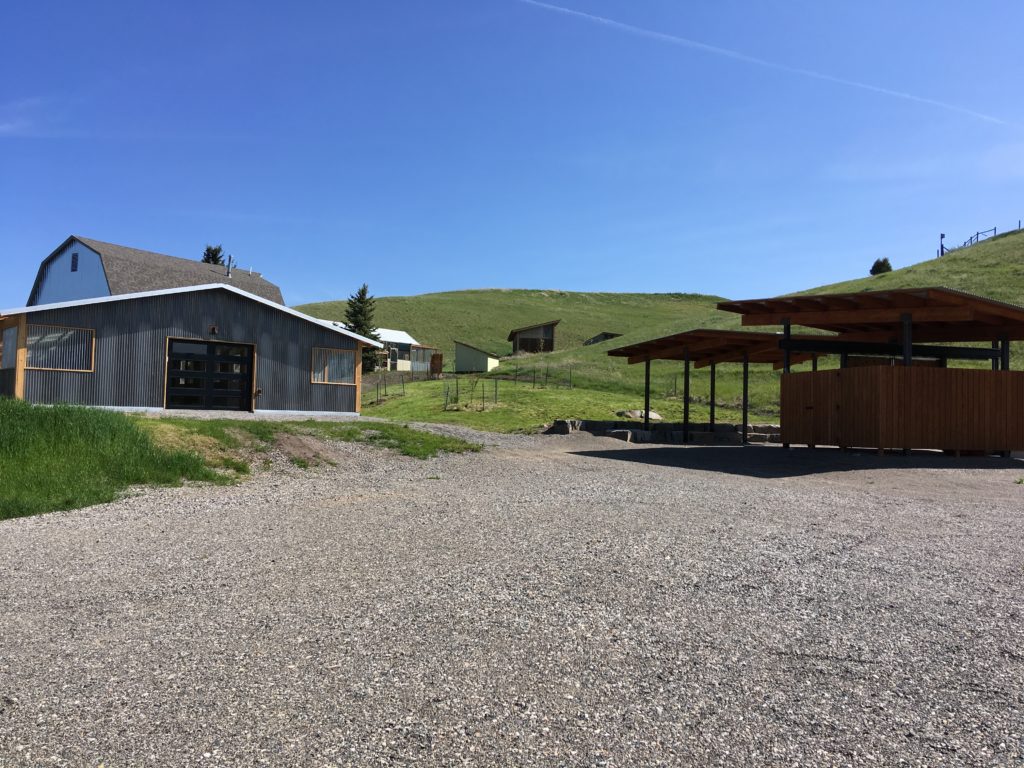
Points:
(131, 339)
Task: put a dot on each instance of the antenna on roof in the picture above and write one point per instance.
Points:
(230, 264)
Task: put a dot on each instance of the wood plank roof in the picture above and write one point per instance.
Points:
(705, 346)
(936, 314)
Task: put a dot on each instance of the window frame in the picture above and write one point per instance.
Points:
(313, 368)
(92, 348)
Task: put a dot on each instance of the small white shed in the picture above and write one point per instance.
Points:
(470, 359)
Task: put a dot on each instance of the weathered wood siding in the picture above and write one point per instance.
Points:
(131, 348)
(905, 407)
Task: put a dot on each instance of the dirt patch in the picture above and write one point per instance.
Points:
(304, 449)
(174, 438)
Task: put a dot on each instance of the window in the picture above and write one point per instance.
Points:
(74, 262)
(56, 348)
(334, 366)
(8, 348)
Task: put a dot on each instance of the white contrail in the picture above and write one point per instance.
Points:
(736, 55)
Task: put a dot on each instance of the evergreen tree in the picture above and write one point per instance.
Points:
(359, 319)
(213, 254)
(880, 266)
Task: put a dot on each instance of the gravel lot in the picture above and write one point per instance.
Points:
(550, 601)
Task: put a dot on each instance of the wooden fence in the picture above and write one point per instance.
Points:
(954, 409)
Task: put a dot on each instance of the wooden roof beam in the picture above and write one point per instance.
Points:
(860, 317)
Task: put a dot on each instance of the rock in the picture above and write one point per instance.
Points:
(564, 427)
(637, 414)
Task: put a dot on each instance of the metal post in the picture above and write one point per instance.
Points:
(711, 405)
(995, 360)
(495, 391)
(647, 394)
(786, 334)
(908, 350)
(1005, 342)
(686, 397)
(814, 363)
(746, 372)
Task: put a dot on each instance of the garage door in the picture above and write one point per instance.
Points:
(212, 375)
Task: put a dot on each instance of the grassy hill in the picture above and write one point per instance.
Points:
(483, 318)
(993, 268)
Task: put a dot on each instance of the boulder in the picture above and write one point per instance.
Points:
(637, 414)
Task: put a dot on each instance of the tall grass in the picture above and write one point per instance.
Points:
(63, 457)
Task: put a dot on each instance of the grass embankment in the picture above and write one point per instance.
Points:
(66, 457)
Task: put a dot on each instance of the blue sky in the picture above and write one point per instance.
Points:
(726, 147)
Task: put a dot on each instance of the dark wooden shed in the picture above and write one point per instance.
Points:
(534, 338)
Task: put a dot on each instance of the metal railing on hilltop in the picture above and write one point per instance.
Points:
(974, 239)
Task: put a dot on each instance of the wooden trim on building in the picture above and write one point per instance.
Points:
(359, 377)
(167, 362)
(357, 367)
(21, 358)
(92, 352)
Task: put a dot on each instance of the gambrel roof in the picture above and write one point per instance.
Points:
(131, 270)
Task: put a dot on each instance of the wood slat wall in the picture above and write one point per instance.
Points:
(900, 407)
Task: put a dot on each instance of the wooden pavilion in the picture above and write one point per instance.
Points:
(893, 387)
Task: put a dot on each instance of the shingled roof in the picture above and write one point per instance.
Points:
(130, 270)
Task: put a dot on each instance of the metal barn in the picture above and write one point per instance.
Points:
(213, 347)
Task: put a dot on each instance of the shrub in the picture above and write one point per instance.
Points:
(880, 266)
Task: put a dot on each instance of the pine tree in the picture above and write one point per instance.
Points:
(359, 319)
(881, 266)
(213, 254)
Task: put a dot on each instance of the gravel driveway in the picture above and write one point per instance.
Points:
(549, 601)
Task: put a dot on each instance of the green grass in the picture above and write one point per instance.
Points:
(523, 408)
(483, 318)
(993, 268)
(64, 457)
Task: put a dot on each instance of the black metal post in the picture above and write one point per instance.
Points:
(647, 394)
(746, 402)
(1005, 343)
(995, 361)
(814, 363)
(711, 405)
(908, 345)
(786, 333)
(686, 397)
(843, 360)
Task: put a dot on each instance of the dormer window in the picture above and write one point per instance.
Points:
(74, 262)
